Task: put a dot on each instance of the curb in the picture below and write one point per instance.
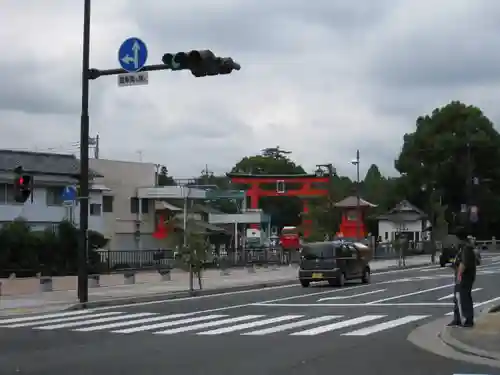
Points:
(446, 337)
(196, 293)
(176, 295)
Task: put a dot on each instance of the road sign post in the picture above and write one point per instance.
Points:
(69, 196)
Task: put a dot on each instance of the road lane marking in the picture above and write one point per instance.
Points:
(92, 321)
(129, 323)
(480, 304)
(225, 294)
(240, 327)
(339, 325)
(403, 304)
(46, 316)
(151, 327)
(411, 294)
(352, 295)
(386, 325)
(60, 320)
(288, 326)
(450, 296)
(208, 324)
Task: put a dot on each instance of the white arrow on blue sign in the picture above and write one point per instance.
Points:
(69, 194)
(132, 55)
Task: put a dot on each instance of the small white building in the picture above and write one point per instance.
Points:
(405, 219)
(51, 174)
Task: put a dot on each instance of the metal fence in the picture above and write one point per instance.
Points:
(119, 260)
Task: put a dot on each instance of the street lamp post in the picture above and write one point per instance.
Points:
(358, 203)
(84, 160)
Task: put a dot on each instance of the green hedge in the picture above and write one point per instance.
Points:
(50, 252)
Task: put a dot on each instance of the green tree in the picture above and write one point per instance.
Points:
(164, 179)
(52, 252)
(196, 253)
(448, 148)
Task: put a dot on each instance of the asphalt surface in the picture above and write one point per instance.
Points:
(356, 329)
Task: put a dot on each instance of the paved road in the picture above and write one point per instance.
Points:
(283, 330)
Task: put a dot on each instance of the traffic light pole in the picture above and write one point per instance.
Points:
(216, 65)
(83, 294)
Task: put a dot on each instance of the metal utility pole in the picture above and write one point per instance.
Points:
(202, 63)
(84, 160)
(468, 191)
(358, 198)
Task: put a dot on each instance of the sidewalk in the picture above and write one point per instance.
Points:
(482, 341)
(23, 295)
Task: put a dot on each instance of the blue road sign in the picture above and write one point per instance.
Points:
(69, 193)
(133, 54)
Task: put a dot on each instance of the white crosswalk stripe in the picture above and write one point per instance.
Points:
(61, 320)
(208, 324)
(104, 327)
(92, 321)
(386, 325)
(241, 327)
(293, 325)
(191, 323)
(338, 325)
(152, 327)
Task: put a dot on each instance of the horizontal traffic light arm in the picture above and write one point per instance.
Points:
(96, 73)
(194, 60)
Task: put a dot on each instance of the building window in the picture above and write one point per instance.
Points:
(10, 194)
(386, 235)
(3, 193)
(107, 203)
(134, 205)
(95, 209)
(54, 195)
(145, 206)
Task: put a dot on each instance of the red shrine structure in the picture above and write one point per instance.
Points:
(305, 190)
(352, 224)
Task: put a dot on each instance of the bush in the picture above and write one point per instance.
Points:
(52, 252)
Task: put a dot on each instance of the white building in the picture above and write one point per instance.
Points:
(121, 205)
(406, 219)
(133, 201)
(51, 173)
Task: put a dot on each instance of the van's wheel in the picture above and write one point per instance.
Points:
(340, 281)
(304, 283)
(365, 279)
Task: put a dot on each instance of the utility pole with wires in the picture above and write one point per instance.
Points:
(206, 175)
(94, 142)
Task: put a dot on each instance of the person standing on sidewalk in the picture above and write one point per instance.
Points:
(465, 275)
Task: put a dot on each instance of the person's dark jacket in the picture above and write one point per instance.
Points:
(467, 256)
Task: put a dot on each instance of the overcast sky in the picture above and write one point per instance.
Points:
(320, 78)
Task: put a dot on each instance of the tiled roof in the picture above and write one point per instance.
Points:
(352, 202)
(40, 162)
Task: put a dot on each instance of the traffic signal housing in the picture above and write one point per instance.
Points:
(201, 63)
(23, 185)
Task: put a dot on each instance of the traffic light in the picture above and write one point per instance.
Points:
(23, 184)
(200, 63)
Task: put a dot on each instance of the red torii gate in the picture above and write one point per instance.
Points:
(305, 191)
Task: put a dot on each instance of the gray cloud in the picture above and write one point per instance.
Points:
(320, 78)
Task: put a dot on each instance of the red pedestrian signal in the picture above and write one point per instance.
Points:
(23, 185)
